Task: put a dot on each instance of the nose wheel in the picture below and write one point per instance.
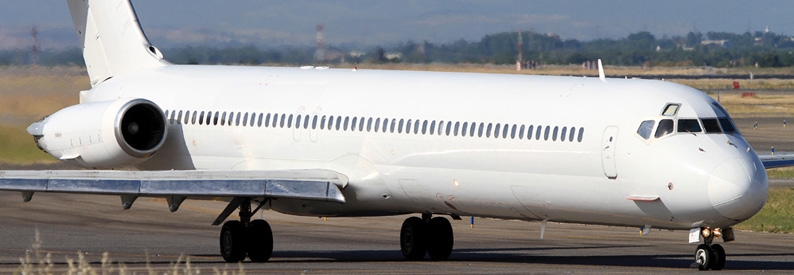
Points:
(712, 256)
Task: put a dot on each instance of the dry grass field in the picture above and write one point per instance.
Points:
(26, 95)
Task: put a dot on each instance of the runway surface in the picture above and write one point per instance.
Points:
(96, 224)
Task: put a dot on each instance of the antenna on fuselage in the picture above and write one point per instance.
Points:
(601, 71)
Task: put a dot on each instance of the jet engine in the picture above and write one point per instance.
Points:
(106, 134)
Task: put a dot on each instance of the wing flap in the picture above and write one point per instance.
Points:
(319, 185)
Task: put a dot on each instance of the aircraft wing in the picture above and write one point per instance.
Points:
(319, 185)
(776, 161)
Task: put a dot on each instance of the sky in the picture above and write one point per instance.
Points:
(364, 23)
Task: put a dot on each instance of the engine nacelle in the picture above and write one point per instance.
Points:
(105, 134)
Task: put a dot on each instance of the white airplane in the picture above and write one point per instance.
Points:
(339, 142)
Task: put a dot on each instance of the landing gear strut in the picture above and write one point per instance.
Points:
(426, 235)
(245, 237)
(712, 256)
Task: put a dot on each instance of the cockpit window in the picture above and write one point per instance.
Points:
(646, 127)
(727, 125)
(671, 109)
(711, 125)
(665, 127)
(688, 126)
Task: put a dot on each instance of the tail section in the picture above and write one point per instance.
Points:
(113, 42)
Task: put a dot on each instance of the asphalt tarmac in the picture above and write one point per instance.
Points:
(69, 224)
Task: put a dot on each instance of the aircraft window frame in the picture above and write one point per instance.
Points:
(298, 121)
(505, 130)
(172, 116)
(496, 130)
(480, 129)
(245, 119)
(563, 133)
(376, 127)
(530, 131)
(441, 125)
(729, 122)
(193, 118)
(457, 128)
(201, 118)
(581, 135)
(572, 134)
(282, 121)
(369, 124)
(353, 124)
(663, 129)
(253, 119)
(449, 127)
(538, 132)
(472, 129)
(712, 127)
(464, 129)
(408, 126)
(424, 127)
(488, 130)
(306, 120)
(513, 131)
(546, 133)
(209, 118)
(554, 133)
(385, 125)
(230, 121)
(671, 109)
(186, 119)
(685, 125)
(645, 130)
(237, 119)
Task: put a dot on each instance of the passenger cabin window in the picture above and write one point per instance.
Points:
(665, 127)
(645, 129)
(688, 126)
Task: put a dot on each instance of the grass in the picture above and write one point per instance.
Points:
(776, 216)
(36, 262)
(17, 147)
(781, 173)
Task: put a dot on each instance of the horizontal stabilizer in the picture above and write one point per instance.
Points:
(318, 185)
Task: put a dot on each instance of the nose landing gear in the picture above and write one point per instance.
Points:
(712, 256)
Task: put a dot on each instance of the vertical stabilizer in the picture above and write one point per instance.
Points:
(113, 42)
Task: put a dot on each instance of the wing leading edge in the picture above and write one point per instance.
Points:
(777, 161)
(176, 186)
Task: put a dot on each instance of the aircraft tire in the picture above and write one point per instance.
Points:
(703, 256)
(718, 256)
(261, 246)
(441, 239)
(233, 241)
(413, 239)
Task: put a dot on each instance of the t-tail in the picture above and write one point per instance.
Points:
(113, 42)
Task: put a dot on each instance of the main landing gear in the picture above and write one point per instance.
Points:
(712, 256)
(426, 235)
(245, 237)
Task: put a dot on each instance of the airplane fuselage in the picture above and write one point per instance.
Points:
(563, 149)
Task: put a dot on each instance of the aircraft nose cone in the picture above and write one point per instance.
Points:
(738, 189)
